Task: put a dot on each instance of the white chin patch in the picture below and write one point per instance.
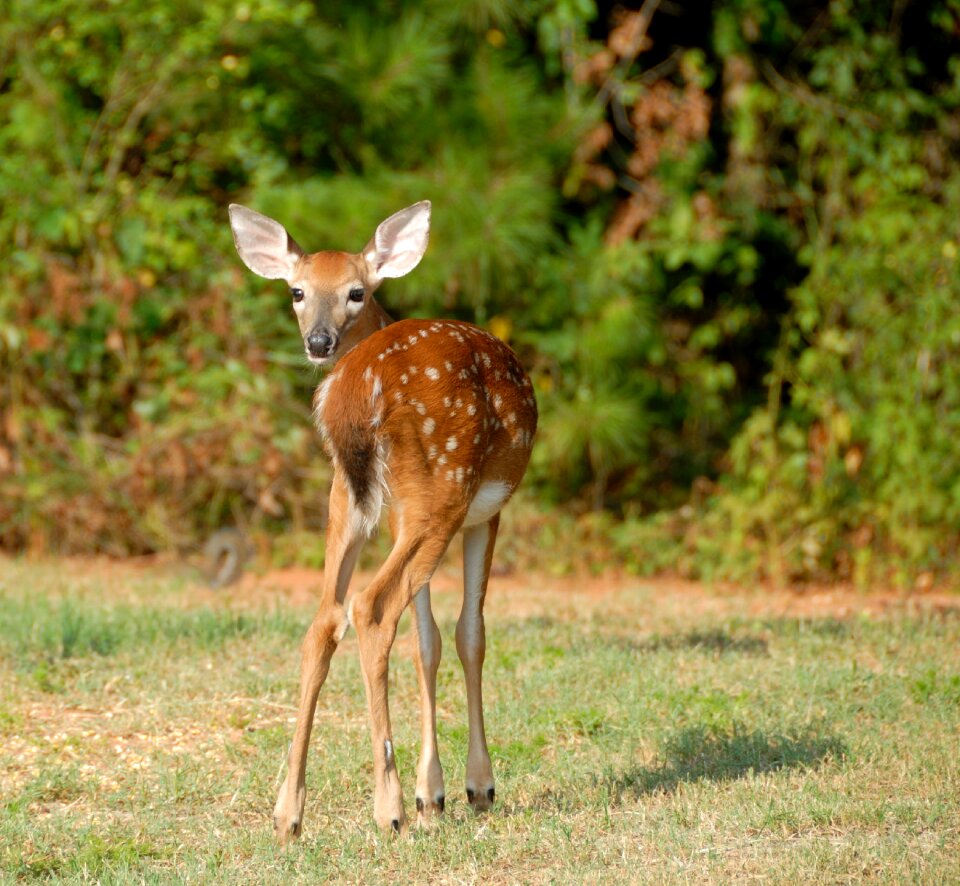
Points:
(320, 361)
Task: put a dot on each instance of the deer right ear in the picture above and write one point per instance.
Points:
(399, 242)
(263, 244)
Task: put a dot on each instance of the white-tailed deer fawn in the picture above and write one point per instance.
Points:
(435, 418)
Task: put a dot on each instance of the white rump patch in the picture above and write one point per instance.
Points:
(490, 498)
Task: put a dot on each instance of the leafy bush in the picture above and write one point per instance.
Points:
(725, 245)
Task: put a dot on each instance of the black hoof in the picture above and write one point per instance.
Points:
(419, 805)
(441, 802)
(491, 793)
(395, 824)
(292, 831)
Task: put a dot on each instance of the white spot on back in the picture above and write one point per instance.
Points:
(451, 444)
(428, 425)
(432, 373)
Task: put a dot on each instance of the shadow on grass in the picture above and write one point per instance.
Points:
(700, 753)
(717, 641)
(733, 640)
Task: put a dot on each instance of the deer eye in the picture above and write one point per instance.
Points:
(297, 294)
(356, 294)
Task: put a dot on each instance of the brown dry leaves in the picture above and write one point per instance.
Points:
(668, 114)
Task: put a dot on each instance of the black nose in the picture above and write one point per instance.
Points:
(320, 344)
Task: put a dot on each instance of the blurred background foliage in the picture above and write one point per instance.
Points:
(723, 237)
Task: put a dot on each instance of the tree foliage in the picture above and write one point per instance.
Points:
(724, 239)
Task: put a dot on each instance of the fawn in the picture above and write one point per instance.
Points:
(434, 417)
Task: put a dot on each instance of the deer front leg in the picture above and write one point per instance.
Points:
(430, 792)
(328, 627)
(478, 544)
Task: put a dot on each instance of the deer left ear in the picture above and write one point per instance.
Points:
(399, 242)
(263, 244)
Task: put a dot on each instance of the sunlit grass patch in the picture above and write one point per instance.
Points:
(143, 728)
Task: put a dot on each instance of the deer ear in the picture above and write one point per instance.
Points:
(400, 242)
(264, 244)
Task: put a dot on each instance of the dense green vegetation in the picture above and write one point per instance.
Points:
(724, 238)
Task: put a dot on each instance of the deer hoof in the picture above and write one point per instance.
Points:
(481, 801)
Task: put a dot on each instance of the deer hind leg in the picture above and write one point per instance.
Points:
(376, 611)
(478, 544)
(326, 631)
(430, 791)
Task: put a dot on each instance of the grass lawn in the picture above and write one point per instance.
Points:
(640, 731)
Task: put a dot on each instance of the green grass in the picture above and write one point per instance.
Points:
(637, 737)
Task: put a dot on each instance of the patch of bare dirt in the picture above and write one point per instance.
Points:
(524, 594)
